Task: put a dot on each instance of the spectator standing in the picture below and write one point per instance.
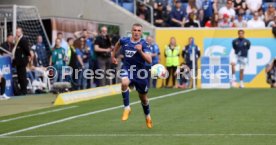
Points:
(83, 59)
(89, 39)
(7, 45)
(72, 59)
(187, 54)
(177, 15)
(42, 53)
(103, 51)
(172, 52)
(155, 58)
(256, 22)
(58, 60)
(63, 42)
(21, 55)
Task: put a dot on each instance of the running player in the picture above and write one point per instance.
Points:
(133, 72)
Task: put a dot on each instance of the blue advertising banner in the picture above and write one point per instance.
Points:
(261, 53)
(5, 71)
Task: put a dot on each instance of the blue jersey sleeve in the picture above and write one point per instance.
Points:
(123, 41)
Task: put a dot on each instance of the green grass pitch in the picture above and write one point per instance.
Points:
(201, 117)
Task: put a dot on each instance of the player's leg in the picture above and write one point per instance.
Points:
(242, 62)
(125, 94)
(241, 77)
(146, 108)
(233, 60)
(141, 86)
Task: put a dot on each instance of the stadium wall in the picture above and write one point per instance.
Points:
(218, 42)
(103, 11)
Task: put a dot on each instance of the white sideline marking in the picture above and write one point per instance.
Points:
(37, 114)
(137, 135)
(89, 113)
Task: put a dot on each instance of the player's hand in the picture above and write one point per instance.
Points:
(114, 60)
(138, 47)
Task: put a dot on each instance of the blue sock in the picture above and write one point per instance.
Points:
(125, 95)
(146, 108)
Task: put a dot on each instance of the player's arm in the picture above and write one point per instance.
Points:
(115, 50)
(145, 55)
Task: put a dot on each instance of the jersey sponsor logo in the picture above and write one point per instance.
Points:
(130, 53)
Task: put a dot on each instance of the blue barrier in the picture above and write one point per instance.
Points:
(6, 71)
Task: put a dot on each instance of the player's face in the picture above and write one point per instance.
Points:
(136, 32)
(241, 34)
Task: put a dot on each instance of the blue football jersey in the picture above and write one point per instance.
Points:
(131, 55)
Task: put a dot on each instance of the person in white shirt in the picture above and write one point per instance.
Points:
(240, 22)
(253, 5)
(228, 9)
(255, 22)
(225, 22)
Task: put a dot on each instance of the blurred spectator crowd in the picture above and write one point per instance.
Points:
(207, 13)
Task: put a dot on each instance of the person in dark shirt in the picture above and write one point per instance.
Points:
(271, 73)
(241, 47)
(8, 45)
(21, 59)
(72, 56)
(191, 22)
(177, 15)
(160, 16)
(103, 51)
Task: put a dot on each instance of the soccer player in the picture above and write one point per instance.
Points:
(241, 47)
(136, 52)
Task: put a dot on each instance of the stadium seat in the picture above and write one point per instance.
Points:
(129, 6)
